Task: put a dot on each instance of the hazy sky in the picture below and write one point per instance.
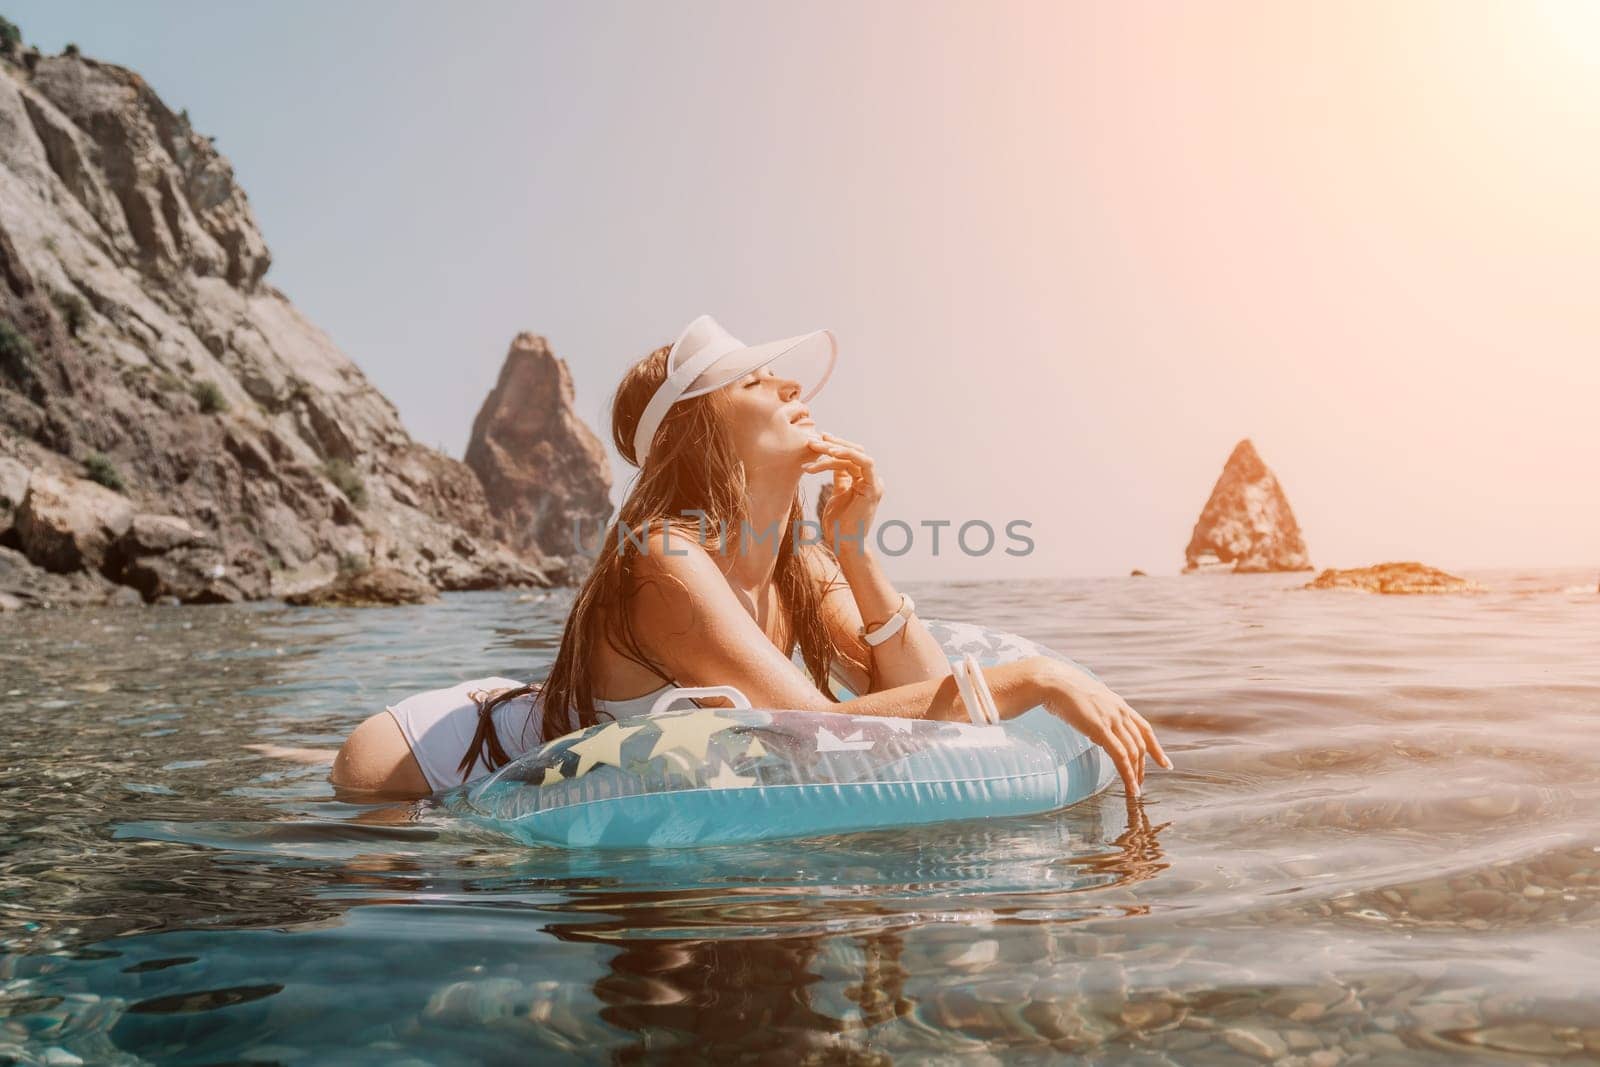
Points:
(1072, 252)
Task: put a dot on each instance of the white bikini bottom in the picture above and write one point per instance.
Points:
(440, 723)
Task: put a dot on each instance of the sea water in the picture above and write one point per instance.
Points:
(1381, 842)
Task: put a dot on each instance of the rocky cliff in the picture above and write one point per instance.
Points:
(169, 422)
(544, 471)
(1246, 525)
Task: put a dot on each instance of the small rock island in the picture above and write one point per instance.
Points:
(1247, 526)
(1395, 578)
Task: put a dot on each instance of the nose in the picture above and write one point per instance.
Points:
(790, 390)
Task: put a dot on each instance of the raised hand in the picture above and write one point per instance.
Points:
(856, 489)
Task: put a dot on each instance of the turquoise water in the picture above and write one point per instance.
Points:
(1380, 844)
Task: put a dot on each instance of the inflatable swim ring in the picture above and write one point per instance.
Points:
(713, 776)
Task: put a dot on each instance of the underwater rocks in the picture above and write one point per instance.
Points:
(141, 347)
(1397, 578)
(370, 588)
(543, 471)
(1247, 525)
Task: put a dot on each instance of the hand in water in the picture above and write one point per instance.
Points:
(1099, 714)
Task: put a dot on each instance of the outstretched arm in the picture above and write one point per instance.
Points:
(688, 618)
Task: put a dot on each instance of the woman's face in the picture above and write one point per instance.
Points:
(768, 423)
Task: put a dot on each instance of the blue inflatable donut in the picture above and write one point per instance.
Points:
(713, 776)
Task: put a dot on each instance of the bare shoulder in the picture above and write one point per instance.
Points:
(671, 558)
(674, 583)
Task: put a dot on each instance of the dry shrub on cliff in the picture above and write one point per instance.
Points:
(99, 468)
(74, 309)
(348, 481)
(209, 396)
(16, 354)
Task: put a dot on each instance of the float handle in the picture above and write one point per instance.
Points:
(672, 696)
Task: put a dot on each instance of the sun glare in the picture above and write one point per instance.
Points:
(1573, 24)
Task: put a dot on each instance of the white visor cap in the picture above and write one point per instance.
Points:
(706, 357)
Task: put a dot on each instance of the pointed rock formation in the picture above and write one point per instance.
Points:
(141, 346)
(1246, 525)
(543, 470)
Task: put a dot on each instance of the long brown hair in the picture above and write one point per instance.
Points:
(692, 465)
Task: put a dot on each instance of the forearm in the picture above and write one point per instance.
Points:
(909, 655)
(1016, 686)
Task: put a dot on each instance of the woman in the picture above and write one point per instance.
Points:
(701, 581)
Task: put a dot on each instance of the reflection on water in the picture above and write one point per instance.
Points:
(1380, 842)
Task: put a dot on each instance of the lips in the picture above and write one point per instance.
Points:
(803, 415)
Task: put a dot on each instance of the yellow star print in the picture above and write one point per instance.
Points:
(602, 746)
(726, 779)
(691, 732)
(552, 775)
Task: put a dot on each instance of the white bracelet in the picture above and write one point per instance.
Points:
(892, 625)
(969, 698)
(980, 686)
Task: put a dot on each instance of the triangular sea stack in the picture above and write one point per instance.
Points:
(545, 473)
(1247, 525)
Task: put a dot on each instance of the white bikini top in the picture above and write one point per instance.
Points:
(639, 705)
(644, 705)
